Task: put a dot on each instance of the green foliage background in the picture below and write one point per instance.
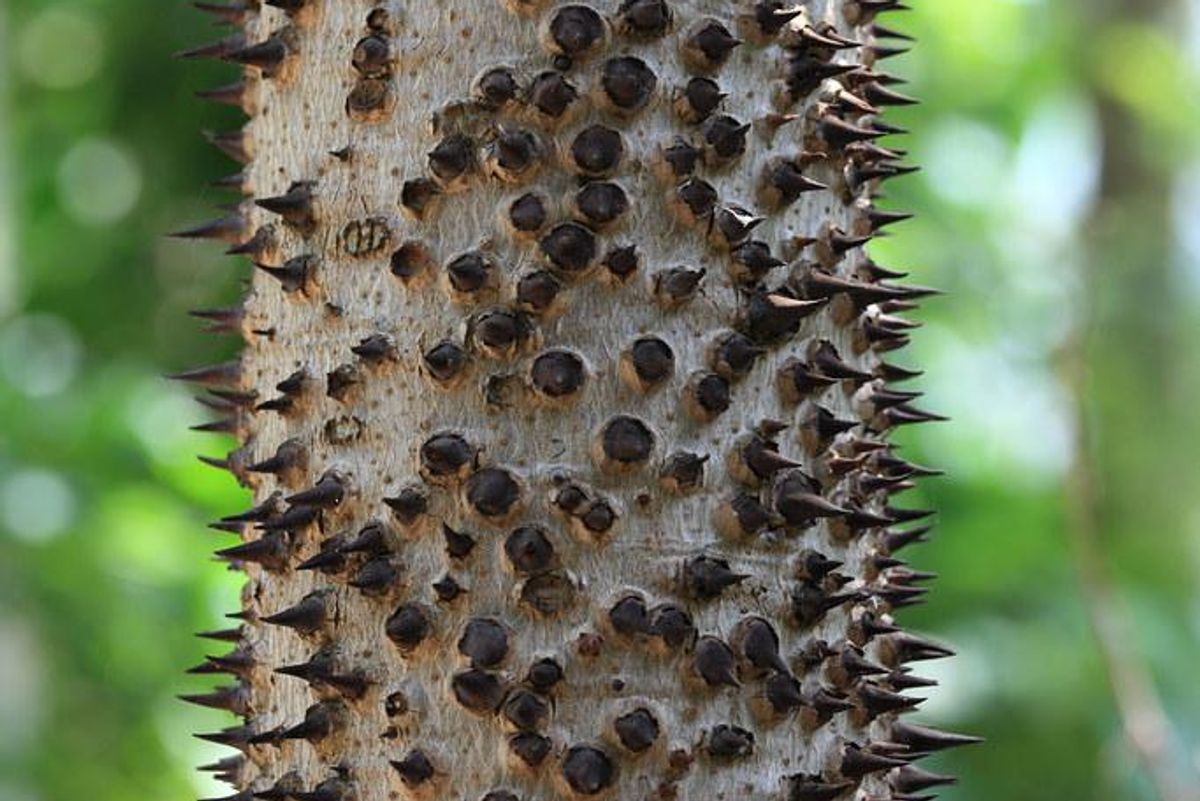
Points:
(1059, 206)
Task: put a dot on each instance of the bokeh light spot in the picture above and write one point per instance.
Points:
(39, 355)
(99, 181)
(36, 505)
(964, 160)
(1005, 403)
(61, 48)
(1056, 170)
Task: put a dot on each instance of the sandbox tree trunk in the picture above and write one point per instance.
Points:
(563, 404)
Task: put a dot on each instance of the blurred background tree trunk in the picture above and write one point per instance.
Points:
(1127, 298)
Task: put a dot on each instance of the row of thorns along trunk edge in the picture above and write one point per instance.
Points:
(851, 685)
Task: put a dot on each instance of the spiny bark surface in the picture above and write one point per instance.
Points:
(564, 406)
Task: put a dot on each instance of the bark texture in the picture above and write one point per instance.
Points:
(564, 406)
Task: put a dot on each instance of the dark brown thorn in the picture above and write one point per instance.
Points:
(262, 240)
(714, 662)
(222, 635)
(810, 602)
(787, 179)
(224, 321)
(271, 551)
(672, 625)
(770, 316)
(629, 616)
(229, 229)
(306, 617)
(238, 737)
(851, 661)
(829, 39)
(706, 577)
(226, 425)
(726, 741)
(826, 702)
(839, 133)
(294, 518)
(895, 540)
(282, 405)
(375, 349)
(266, 55)
(897, 596)
(328, 560)
(292, 275)
(806, 72)
(818, 283)
(881, 32)
(800, 505)
(904, 647)
(637, 730)
(327, 493)
(879, 53)
(267, 509)
(770, 16)
(878, 701)
(234, 698)
(226, 374)
(893, 373)
(232, 143)
(813, 787)
(879, 219)
(230, 94)
(826, 360)
(709, 46)
(408, 505)
(215, 50)
(288, 456)
(926, 739)
(587, 770)
(858, 762)
(371, 539)
(841, 243)
(879, 95)
(913, 291)
(873, 625)
(911, 779)
(901, 679)
(227, 769)
(782, 691)
(295, 206)
(415, 769)
(759, 644)
(320, 721)
(377, 576)
(237, 662)
(234, 181)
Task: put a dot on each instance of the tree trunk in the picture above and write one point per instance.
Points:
(563, 405)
